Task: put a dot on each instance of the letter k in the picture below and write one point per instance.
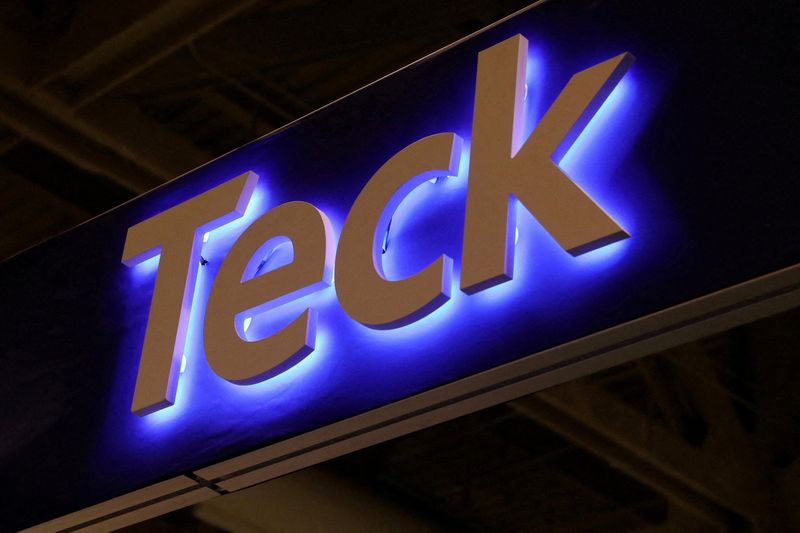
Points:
(502, 166)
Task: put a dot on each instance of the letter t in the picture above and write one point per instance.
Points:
(176, 234)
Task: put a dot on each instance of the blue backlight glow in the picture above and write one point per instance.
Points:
(427, 223)
(353, 367)
(598, 129)
(147, 268)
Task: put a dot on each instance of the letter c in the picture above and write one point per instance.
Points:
(237, 289)
(363, 291)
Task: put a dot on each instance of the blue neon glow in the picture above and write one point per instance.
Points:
(274, 254)
(599, 142)
(147, 268)
(597, 129)
(535, 78)
(354, 368)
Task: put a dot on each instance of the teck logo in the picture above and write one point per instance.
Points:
(502, 165)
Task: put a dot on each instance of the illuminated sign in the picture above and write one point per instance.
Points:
(503, 165)
(448, 238)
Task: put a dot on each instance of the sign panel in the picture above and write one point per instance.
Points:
(564, 172)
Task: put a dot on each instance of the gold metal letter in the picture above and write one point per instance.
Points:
(177, 235)
(503, 164)
(363, 290)
(229, 353)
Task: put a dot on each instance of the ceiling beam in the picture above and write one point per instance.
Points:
(265, 102)
(273, 38)
(112, 138)
(66, 139)
(145, 40)
(728, 440)
(593, 419)
(249, 121)
(339, 504)
(668, 397)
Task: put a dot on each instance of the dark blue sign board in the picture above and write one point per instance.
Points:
(694, 153)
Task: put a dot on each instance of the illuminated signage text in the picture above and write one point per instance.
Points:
(502, 165)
